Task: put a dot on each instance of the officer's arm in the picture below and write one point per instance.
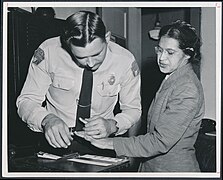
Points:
(30, 100)
(130, 99)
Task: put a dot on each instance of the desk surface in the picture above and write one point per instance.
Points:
(35, 164)
(25, 159)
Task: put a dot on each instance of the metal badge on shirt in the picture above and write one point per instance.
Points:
(38, 56)
(135, 68)
(111, 79)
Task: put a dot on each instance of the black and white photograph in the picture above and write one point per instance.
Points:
(111, 89)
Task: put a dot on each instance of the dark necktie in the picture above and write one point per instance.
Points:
(84, 102)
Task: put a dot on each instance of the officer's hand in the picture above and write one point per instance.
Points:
(56, 131)
(98, 127)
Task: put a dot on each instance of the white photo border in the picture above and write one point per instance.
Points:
(217, 5)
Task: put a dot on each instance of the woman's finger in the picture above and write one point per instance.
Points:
(94, 132)
(80, 133)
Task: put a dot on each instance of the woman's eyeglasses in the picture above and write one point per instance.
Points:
(169, 52)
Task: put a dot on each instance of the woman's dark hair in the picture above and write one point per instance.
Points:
(187, 37)
(82, 28)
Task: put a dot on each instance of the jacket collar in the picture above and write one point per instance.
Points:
(178, 73)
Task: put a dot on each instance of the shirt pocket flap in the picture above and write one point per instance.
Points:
(63, 83)
(108, 90)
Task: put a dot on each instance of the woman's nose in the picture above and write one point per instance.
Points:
(163, 55)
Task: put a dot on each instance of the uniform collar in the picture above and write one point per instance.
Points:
(107, 59)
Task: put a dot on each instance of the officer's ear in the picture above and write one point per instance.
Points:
(108, 36)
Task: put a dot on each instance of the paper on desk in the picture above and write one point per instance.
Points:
(79, 160)
(47, 155)
(96, 160)
(87, 159)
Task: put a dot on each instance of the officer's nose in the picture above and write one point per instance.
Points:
(90, 62)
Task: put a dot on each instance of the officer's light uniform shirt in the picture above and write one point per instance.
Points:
(54, 76)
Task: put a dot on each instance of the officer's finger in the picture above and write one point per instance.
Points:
(85, 121)
(68, 133)
(59, 138)
(93, 123)
(51, 139)
(65, 138)
(92, 128)
(55, 137)
(94, 118)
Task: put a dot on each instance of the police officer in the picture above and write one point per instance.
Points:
(55, 76)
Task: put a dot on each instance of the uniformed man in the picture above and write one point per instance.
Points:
(55, 76)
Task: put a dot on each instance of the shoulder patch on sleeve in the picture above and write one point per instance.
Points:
(135, 68)
(38, 56)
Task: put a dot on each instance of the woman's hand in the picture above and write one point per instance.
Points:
(105, 143)
(99, 127)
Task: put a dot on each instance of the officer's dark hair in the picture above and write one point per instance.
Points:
(82, 28)
(45, 12)
(187, 37)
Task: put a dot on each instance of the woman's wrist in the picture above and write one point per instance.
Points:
(111, 143)
(114, 127)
